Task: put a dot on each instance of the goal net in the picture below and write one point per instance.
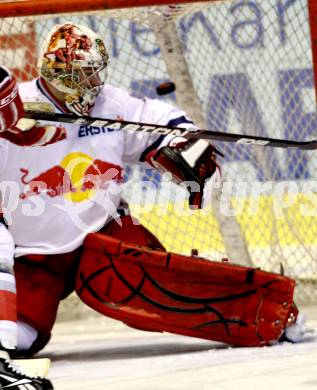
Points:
(238, 66)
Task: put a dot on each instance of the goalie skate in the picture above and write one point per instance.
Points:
(12, 377)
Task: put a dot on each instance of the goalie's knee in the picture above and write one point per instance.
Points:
(128, 229)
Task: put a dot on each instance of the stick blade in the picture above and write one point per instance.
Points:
(39, 106)
(34, 367)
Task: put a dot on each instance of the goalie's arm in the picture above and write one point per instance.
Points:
(16, 129)
(11, 106)
(188, 160)
(138, 144)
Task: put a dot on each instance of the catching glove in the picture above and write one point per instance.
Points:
(191, 161)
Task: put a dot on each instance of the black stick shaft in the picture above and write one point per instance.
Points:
(177, 131)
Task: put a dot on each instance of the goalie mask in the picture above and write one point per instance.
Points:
(74, 61)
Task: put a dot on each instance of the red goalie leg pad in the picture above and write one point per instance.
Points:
(161, 291)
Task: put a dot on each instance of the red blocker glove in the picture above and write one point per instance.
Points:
(18, 130)
(11, 106)
(29, 132)
(188, 161)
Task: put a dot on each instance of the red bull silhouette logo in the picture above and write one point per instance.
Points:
(55, 181)
(99, 174)
(78, 174)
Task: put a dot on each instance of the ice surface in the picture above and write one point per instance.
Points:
(100, 353)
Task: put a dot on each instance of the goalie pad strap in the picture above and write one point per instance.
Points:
(161, 291)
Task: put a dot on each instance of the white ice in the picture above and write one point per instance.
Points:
(103, 354)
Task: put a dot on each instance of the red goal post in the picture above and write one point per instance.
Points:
(239, 67)
(312, 13)
(43, 7)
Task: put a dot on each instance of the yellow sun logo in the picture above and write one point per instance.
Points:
(76, 165)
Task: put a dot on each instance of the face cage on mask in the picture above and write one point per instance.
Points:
(85, 83)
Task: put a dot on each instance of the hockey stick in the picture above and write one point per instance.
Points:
(115, 125)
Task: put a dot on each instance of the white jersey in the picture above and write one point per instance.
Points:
(54, 195)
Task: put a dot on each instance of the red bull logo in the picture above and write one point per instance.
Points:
(99, 173)
(55, 181)
(77, 178)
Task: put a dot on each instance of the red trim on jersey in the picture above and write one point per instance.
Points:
(42, 85)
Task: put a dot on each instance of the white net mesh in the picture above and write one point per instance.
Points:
(251, 68)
